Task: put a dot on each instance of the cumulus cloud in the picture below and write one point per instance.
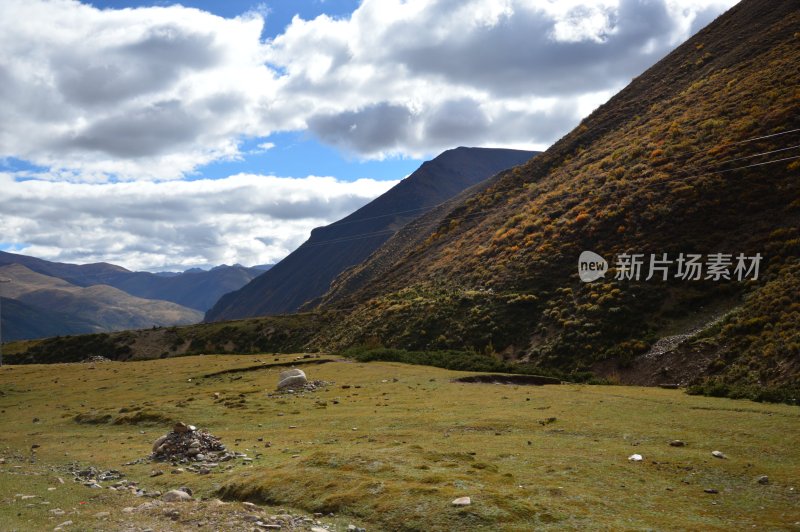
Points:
(251, 219)
(156, 92)
(115, 108)
(415, 77)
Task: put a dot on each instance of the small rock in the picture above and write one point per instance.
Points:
(101, 515)
(711, 490)
(462, 501)
(635, 458)
(180, 428)
(763, 479)
(319, 529)
(156, 473)
(677, 443)
(176, 496)
(718, 454)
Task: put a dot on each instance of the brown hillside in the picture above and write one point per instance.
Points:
(696, 155)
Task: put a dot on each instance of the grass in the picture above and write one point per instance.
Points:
(390, 451)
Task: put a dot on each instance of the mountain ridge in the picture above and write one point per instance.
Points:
(197, 290)
(308, 271)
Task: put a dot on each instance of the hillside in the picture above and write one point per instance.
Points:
(48, 306)
(196, 289)
(696, 155)
(21, 321)
(308, 271)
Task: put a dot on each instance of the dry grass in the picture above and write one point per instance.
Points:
(419, 442)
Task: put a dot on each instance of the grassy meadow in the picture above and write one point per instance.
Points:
(388, 446)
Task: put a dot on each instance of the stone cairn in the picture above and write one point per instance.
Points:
(185, 443)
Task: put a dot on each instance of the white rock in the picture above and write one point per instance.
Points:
(635, 458)
(718, 454)
(462, 501)
(176, 496)
(291, 378)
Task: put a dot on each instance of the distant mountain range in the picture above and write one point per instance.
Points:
(50, 298)
(307, 272)
(197, 289)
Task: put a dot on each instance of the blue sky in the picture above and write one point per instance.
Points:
(163, 136)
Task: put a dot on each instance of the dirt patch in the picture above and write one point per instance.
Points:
(523, 380)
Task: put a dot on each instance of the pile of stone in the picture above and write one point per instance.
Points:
(295, 380)
(185, 443)
(96, 358)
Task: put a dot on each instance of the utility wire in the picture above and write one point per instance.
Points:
(672, 158)
(662, 182)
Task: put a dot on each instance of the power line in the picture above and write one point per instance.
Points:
(673, 158)
(419, 222)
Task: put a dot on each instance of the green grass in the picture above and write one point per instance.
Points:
(420, 441)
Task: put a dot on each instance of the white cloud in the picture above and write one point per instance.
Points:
(251, 219)
(154, 93)
(147, 96)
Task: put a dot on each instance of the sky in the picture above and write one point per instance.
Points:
(162, 136)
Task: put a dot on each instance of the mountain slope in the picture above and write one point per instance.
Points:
(52, 306)
(198, 290)
(308, 271)
(683, 160)
(21, 321)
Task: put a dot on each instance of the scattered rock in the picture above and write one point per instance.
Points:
(635, 458)
(711, 490)
(718, 454)
(462, 501)
(176, 496)
(763, 479)
(96, 358)
(677, 443)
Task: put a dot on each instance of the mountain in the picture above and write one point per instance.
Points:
(196, 289)
(698, 155)
(21, 321)
(308, 271)
(48, 305)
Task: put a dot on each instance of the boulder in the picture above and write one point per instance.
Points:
(292, 378)
(176, 496)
